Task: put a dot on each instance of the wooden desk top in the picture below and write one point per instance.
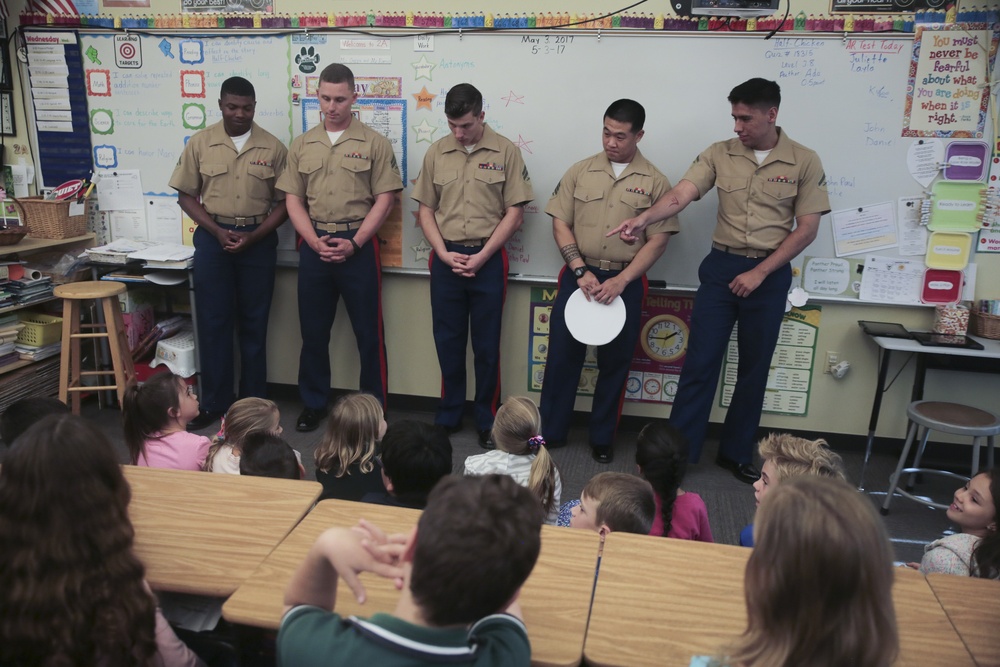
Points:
(555, 599)
(660, 601)
(204, 533)
(973, 607)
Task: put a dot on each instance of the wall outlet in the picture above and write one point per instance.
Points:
(832, 358)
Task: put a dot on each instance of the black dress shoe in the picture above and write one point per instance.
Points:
(745, 472)
(485, 441)
(204, 418)
(602, 454)
(309, 420)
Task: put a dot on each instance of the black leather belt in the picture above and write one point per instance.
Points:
(605, 265)
(471, 243)
(239, 221)
(752, 253)
(337, 226)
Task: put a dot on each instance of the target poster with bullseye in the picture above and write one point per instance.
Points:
(128, 51)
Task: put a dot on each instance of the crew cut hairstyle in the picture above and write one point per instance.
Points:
(337, 73)
(415, 456)
(757, 92)
(818, 584)
(462, 99)
(237, 85)
(625, 502)
(71, 586)
(477, 542)
(792, 456)
(267, 455)
(627, 111)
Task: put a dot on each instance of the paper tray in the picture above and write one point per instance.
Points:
(948, 250)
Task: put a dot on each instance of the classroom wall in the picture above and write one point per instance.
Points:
(836, 406)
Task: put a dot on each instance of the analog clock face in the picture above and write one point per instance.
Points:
(665, 338)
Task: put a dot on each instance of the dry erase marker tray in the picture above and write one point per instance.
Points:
(956, 206)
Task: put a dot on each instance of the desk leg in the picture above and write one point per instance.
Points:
(917, 394)
(194, 322)
(883, 371)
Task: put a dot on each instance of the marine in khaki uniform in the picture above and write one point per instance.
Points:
(472, 189)
(225, 182)
(340, 185)
(772, 193)
(592, 198)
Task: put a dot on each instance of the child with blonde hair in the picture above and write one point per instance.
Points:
(786, 456)
(345, 458)
(155, 415)
(818, 585)
(521, 453)
(243, 418)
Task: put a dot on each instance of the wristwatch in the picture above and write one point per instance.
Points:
(579, 271)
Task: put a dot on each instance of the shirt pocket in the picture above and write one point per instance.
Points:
(779, 190)
(584, 199)
(443, 178)
(212, 169)
(490, 176)
(636, 201)
(261, 182)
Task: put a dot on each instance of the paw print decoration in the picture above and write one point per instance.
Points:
(307, 60)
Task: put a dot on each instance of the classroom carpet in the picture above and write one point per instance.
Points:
(730, 503)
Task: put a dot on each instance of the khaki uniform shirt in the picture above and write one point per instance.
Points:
(470, 192)
(758, 204)
(339, 182)
(593, 202)
(230, 184)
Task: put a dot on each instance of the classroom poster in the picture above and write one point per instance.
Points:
(792, 366)
(948, 95)
(542, 299)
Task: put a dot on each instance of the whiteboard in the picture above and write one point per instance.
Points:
(547, 92)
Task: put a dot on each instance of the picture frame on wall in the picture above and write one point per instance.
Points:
(7, 113)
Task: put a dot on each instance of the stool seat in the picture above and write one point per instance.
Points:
(110, 327)
(90, 289)
(944, 417)
(953, 418)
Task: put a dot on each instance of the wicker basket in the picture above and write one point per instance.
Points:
(12, 235)
(987, 326)
(50, 218)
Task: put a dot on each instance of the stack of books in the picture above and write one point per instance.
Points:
(31, 290)
(32, 353)
(8, 271)
(9, 328)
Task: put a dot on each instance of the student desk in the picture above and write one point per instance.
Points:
(986, 360)
(204, 533)
(660, 601)
(555, 599)
(973, 607)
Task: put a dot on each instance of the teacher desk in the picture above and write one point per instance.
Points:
(929, 357)
(660, 601)
(204, 533)
(555, 599)
(973, 607)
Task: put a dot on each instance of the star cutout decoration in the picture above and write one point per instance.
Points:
(512, 98)
(424, 99)
(421, 251)
(423, 68)
(522, 143)
(425, 132)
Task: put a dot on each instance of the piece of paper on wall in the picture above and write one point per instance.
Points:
(892, 280)
(924, 158)
(120, 190)
(19, 174)
(912, 234)
(129, 225)
(864, 229)
(164, 220)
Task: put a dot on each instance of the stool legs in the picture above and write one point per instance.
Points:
(69, 362)
(894, 480)
(920, 455)
(121, 358)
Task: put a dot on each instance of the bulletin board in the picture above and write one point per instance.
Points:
(546, 91)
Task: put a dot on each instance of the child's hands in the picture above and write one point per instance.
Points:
(344, 549)
(385, 549)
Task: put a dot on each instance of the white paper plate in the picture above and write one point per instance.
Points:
(594, 323)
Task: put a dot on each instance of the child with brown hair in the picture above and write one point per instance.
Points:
(243, 418)
(521, 453)
(346, 465)
(615, 501)
(155, 415)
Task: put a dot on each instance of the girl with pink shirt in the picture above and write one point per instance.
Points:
(156, 414)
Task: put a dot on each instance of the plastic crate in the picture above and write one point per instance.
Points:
(39, 329)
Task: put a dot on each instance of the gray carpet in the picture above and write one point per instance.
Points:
(730, 503)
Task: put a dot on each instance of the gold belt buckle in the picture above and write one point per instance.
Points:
(240, 221)
(604, 265)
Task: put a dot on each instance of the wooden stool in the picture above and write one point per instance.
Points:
(105, 294)
(946, 418)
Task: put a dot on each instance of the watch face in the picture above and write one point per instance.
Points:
(665, 338)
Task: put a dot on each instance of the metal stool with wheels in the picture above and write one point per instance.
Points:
(105, 294)
(946, 418)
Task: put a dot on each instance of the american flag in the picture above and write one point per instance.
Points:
(54, 7)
